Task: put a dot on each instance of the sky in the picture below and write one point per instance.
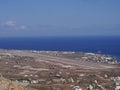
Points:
(36, 18)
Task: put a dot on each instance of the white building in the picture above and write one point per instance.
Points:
(76, 88)
(117, 88)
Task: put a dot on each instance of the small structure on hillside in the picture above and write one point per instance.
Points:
(77, 88)
(117, 88)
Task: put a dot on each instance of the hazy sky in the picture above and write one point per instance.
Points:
(35, 18)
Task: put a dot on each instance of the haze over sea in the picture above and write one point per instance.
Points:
(104, 45)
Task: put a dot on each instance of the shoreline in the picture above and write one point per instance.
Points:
(117, 61)
(110, 55)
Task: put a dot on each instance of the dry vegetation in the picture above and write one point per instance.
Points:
(57, 70)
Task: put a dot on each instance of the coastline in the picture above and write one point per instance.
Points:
(102, 45)
(114, 56)
(66, 52)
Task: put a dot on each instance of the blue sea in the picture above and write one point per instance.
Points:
(104, 45)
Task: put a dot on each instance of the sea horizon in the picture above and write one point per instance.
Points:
(104, 45)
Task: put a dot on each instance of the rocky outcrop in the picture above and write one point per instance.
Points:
(6, 84)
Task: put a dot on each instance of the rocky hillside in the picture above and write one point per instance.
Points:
(6, 84)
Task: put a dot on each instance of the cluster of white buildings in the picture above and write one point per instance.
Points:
(116, 80)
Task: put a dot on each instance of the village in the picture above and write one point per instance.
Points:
(52, 70)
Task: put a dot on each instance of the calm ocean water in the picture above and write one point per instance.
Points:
(105, 45)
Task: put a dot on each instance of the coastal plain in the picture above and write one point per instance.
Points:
(60, 70)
